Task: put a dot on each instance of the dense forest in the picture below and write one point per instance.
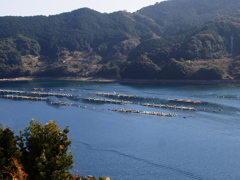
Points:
(174, 39)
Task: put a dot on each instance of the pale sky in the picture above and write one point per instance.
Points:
(52, 7)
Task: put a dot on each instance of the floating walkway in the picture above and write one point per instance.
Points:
(114, 94)
(168, 106)
(38, 89)
(144, 112)
(12, 91)
(35, 93)
(51, 94)
(107, 101)
(62, 103)
(185, 100)
(24, 97)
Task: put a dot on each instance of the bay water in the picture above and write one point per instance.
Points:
(197, 144)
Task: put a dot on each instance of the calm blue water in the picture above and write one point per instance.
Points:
(201, 144)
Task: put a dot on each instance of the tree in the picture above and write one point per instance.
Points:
(215, 73)
(45, 151)
(15, 170)
(26, 45)
(174, 70)
(8, 150)
(142, 68)
(107, 71)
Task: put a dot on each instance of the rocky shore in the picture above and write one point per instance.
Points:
(125, 81)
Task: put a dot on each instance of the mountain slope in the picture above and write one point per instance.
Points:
(86, 42)
(215, 33)
(176, 15)
(208, 51)
(79, 29)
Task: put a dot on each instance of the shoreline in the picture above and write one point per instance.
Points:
(123, 81)
(179, 82)
(27, 79)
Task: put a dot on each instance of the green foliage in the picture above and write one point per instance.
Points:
(215, 73)
(210, 41)
(147, 47)
(10, 72)
(11, 49)
(174, 70)
(103, 178)
(206, 42)
(11, 52)
(204, 46)
(92, 178)
(18, 72)
(45, 151)
(107, 71)
(54, 70)
(41, 151)
(77, 30)
(27, 46)
(178, 15)
(8, 149)
(142, 68)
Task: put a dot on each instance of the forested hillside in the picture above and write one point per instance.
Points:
(177, 15)
(212, 46)
(78, 30)
(189, 34)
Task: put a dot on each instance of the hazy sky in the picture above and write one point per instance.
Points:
(52, 7)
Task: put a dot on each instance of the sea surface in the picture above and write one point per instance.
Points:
(196, 144)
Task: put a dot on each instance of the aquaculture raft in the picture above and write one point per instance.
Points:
(114, 94)
(168, 106)
(11, 91)
(144, 112)
(185, 100)
(108, 101)
(51, 94)
(62, 103)
(38, 89)
(24, 97)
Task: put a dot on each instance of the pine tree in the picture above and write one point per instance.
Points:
(15, 170)
(45, 151)
(8, 150)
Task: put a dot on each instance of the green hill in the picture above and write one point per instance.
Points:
(85, 42)
(215, 41)
(178, 15)
(79, 29)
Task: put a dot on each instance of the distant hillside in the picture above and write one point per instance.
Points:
(210, 40)
(156, 39)
(177, 15)
(85, 28)
(79, 30)
(190, 54)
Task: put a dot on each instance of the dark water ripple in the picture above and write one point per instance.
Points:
(162, 166)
